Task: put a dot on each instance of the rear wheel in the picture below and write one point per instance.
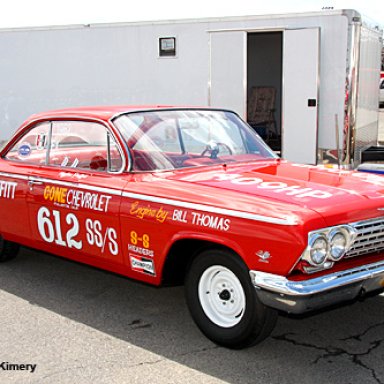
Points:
(223, 302)
(8, 250)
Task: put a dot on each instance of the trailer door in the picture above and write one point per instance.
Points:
(300, 95)
(228, 63)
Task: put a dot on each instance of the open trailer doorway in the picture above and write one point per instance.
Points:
(271, 78)
(264, 85)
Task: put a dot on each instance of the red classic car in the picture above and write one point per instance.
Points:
(184, 195)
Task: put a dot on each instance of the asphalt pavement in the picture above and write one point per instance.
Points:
(77, 324)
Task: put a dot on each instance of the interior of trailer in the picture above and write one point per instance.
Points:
(264, 85)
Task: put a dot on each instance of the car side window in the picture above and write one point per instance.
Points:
(69, 144)
(83, 145)
(32, 147)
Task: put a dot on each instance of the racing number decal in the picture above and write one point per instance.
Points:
(50, 230)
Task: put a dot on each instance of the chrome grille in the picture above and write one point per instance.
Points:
(369, 239)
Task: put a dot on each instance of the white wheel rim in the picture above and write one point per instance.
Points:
(221, 296)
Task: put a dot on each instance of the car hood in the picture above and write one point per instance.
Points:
(339, 196)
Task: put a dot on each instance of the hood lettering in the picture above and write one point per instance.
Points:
(275, 186)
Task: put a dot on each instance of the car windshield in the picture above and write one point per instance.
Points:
(172, 139)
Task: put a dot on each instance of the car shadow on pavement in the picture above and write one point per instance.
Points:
(344, 345)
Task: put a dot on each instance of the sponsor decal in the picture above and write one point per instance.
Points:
(25, 150)
(275, 186)
(180, 216)
(146, 211)
(41, 141)
(140, 244)
(7, 189)
(7, 366)
(76, 199)
(215, 222)
(142, 264)
(77, 176)
(140, 251)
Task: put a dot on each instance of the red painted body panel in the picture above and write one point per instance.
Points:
(128, 222)
(14, 221)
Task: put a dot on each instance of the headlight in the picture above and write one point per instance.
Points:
(326, 246)
(338, 245)
(318, 250)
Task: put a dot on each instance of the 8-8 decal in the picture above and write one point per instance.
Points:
(135, 239)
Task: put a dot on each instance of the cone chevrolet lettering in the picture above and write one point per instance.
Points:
(169, 195)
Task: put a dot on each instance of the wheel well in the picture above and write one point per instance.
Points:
(180, 257)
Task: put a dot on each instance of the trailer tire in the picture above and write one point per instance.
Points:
(224, 303)
(8, 250)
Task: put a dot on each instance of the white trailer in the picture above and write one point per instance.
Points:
(323, 67)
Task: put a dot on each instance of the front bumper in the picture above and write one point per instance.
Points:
(302, 296)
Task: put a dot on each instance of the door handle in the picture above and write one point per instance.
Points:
(31, 183)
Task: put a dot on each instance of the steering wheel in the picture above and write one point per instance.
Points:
(214, 148)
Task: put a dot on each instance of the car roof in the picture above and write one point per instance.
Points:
(105, 112)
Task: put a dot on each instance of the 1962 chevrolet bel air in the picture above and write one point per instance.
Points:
(170, 195)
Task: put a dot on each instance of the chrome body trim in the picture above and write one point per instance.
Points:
(301, 296)
(14, 176)
(22, 131)
(369, 237)
(160, 200)
(109, 191)
(167, 108)
(36, 179)
(281, 284)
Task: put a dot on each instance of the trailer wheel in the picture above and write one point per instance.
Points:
(223, 302)
(8, 250)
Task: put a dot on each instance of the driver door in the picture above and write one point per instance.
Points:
(75, 197)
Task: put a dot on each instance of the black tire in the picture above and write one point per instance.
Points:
(8, 250)
(224, 278)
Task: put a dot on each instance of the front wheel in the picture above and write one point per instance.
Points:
(223, 302)
(8, 250)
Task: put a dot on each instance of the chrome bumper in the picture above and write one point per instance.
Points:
(301, 296)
